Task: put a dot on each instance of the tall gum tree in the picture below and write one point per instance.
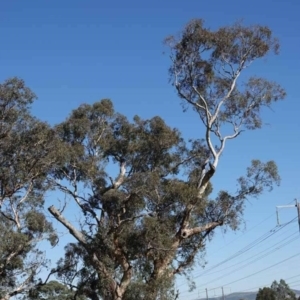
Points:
(142, 227)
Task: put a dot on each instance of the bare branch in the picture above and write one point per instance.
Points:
(26, 194)
(217, 111)
(205, 107)
(80, 238)
(192, 231)
(17, 221)
(132, 219)
(8, 217)
(74, 232)
(228, 137)
(76, 197)
(209, 143)
(121, 176)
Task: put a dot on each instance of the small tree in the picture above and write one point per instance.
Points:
(147, 224)
(26, 147)
(266, 294)
(282, 291)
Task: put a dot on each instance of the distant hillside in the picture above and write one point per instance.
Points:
(244, 296)
(236, 296)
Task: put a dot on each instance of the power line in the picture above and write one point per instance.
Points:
(269, 284)
(253, 227)
(253, 244)
(293, 282)
(248, 247)
(253, 260)
(238, 263)
(260, 286)
(262, 270)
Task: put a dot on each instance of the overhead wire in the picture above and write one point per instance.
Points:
(269, 284)
(249, 230)
(250, 246)
(250, 275)
(262, 270)
(238, 263)
(254, 259)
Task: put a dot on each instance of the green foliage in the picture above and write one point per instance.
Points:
(206, 65)
(151, 221)
(53, 290)
(152, 152)
(278, 291)
(282, 290)
(26, 147)
(266, 294)
(135, 220)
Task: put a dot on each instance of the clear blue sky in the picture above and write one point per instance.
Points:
(70, 52)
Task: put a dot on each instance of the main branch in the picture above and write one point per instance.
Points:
(74, 232)
(196, 230)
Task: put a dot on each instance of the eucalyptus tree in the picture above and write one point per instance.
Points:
(26, 148)
(146, 223)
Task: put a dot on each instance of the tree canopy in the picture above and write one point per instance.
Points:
(143, 191)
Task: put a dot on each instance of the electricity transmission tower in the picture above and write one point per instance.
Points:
(297, 205)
